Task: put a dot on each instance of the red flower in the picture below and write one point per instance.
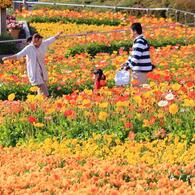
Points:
(32, 119)
(68, 113)
(129, 125)
(192, 94)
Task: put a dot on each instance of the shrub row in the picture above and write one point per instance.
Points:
(94, 48)
(65, 20)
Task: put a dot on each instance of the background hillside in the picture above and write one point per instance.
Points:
(179, 4)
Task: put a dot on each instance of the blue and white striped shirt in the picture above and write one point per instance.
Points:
(140, 57)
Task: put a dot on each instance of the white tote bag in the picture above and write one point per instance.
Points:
(122, 77)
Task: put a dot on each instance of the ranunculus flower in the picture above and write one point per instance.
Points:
(69, 113)
(173, 108)
(162, 103)
(11, 97)
(129, 125)
(169, 96)
(32, 119)
(38, 124)
(102, 116)
(131, 135)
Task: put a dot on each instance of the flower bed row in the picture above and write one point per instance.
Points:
(146, 114)
(24, 171)
(75, 73)
(95, 39)
(91, 16)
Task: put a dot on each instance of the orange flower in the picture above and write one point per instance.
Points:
(173, 108)
(131, 135)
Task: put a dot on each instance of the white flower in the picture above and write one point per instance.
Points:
(146, 86)
(169, 96)
(162, 103)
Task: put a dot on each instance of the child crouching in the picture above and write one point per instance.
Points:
(100, 79)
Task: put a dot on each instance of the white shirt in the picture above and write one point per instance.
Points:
(35, 58)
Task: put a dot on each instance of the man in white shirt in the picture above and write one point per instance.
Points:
(35, 56)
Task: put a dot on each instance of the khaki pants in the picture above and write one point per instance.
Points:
(140, 77)
(43, 90)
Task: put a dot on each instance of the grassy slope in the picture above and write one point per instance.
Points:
(180, 4)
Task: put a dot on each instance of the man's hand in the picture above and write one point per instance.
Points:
(125, 66)
(58, 34)
(4, 58)
(13, 57)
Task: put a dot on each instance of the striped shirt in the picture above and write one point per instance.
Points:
(140, 57)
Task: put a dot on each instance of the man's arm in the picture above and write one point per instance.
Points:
(13, 57)
(16, 56)
(135, 55)
(52, 39)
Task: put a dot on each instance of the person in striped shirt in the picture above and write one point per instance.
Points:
(139, 61)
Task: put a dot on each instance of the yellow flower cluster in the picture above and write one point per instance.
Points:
(48, 29)
(5, 3)
(168, 151)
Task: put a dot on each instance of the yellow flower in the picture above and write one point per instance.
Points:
(189, 103)
(87, 113)
(39, 97)
(138, 99)
(103, 105)
(103, 116)
(173, 109)
(30, 97)
(33, 89)
(50, 111)
(38, 124)
(86, 101)
(88, 92)
(11, 97)
(122, 104)
(175, 87)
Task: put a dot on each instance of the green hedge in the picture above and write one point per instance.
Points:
(65, 20)
(94, 48)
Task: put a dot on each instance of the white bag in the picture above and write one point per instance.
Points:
(122, 77)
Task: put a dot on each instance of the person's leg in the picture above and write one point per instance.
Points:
(43, 90)
(140, 77)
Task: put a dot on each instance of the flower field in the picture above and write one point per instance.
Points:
(123, 140)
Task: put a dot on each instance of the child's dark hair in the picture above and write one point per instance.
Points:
(137, 27)
(29, 39)
(100, 73)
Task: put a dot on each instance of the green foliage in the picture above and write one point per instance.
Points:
(188, 5)
(89, 21)
(94, 48)
(15, 130)
(55, 90)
